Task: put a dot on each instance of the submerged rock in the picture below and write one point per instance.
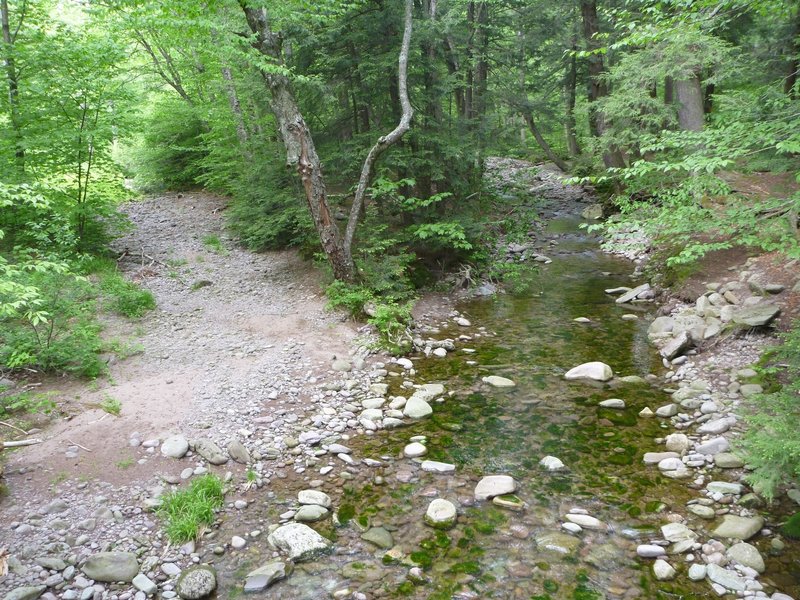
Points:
(263, 577)
(499, 382)
(441, 514)
(551, 463)
(299, 542)
(494, 485)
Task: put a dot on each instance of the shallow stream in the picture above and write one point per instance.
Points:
(494, 552)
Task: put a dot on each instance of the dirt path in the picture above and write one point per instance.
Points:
(236, 335)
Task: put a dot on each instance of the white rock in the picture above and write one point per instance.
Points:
(494, 485)
(551, 463)
(597, 371)
(414, 450)
(650, 551)
(663, 570)
(314, 497)
(433, 466)
(587, 522)
(499, 382)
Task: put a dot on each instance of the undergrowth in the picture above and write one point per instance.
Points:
(187, 511)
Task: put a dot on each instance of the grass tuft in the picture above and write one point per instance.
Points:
(186, 511)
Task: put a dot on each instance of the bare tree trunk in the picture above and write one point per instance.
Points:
(481, 80)
(543, 142)
(689, 97)
(669, 86)
(597, 87)
(236, 109)
(570, 82)
(13, 84)
(454, 68)
(794, 56)
(300, 149)
(384, 142)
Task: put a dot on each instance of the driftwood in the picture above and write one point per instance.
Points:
(20, 443)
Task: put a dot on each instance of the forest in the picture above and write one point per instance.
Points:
(358, 132)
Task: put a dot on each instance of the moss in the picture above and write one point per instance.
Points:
(406, 588)
(468, 567)
(543, 566)
(550, 585)
(791, 528)
(346, 513)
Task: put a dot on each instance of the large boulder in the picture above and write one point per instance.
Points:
(596, 370)
(111, 566)
(756, 316)
(739, 528)
(747, 555)
(299, 542)
(175, 446)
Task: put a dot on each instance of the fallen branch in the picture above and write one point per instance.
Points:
(78, 445)
(19, 443)
(22, 431)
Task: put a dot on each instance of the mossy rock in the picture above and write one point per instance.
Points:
(791, 528)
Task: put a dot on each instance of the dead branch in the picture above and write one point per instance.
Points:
(20, 443)
(22, 431)
(78, 445)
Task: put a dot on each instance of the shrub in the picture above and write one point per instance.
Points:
(126, 298)
(772, 442)
(186, 511)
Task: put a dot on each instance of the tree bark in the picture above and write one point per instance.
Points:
(689, 98)
(543, 142)
(12, 79)
(570, 82)
(236, 109)
(669, 86)
(789, 84)
(297, 140)
(384, 142)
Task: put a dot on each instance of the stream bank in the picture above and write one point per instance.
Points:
(344, 446)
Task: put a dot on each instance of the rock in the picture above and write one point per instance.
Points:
(633, 294)
(668, 410)
(237, 542)
(462, 322)
(27, 592)
(739, 528)
(142, 582)
(593, 212)
(417, 408)
(660, 326)
(716, 426)
(748, 390)
(551, 463)
(310, 513)
(675, 346)
(494, 485)
(433, 466)
(414, 450)
(175, 446)
(379, 536)
(405, 363)
(677, 532)
(697, 572)
(704, 512)
(210, 451)
(441, 514)
(558, 542)
(509, 501)
(314, 497)
(111, 566)
(51, 562)
(342, 366)
(613, 403)
(725, 487)
(197, 582)
(663, 571)
(747, 555)
(439, 352)
(677, 442)
(713, 446)
(650, 551)
(266, 575)
(653, 458)
(646, 413)
(586, 521)
(499, 382)
(299, 542)
(756, 316)
(597, 371)
(670, 464)
(725, 578)
(726, 460)
(239, 453)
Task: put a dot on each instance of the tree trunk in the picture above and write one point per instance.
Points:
(543, 142)
(236, 109)
(689, 97)
(384, 142)
(669, 87)
(570, 82)
(481, 80)
(454, 69)
(794, 56)
(300, 149)
(708, 98)
(13, 85)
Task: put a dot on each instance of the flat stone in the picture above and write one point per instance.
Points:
(633, 294)
(379, 536)
(713, 446)
(704, 512)
(613, 403)
(111, 566)
(660, 326)
(739, 528)
(143, 583)
(677, 532)
(266, 575)
(314, 497)
(587, 522)
(299, 542)
(509, 501)
(417, 408)
(26, 592)
(716, 426)
(239, 452)
(494, 485)
(650, 551)
(555, 541)
(747, 555)
(726, 460)
(668, 410)
(697, 572)
(441, 514)
(653, 458)
(175, 446)
(414, 450)
(210, 451)
(725, 487)
(597, 371)
(727, 579)
(748, 390)
(433, 466)
(342, 366)
(671, 464)
(499, 382)
(756, 316)
(676, 346)
(310, 513)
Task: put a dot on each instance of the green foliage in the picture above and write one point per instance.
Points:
(772, 441)
(791, 528)
(392, 322)
(126, 298)
(25, 402)
(186, 511)
(518, 278)
(111, 405)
